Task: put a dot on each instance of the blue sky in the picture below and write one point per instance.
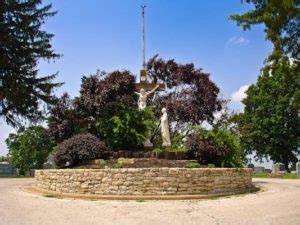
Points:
(106, 35)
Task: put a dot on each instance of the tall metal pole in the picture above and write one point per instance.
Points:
(143, 37)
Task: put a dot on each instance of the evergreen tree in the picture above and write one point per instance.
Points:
(22, 44)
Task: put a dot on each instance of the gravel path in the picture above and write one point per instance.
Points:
(279, 204)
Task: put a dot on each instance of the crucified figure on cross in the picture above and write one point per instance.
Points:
(143, 95)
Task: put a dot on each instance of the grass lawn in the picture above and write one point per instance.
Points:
(268, 175)
(15, 177)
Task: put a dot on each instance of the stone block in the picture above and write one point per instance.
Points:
(259, 169)
(278, 167)
(298, 169)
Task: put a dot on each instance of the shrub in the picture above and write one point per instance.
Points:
(116, 165)
(126, 128)
(220, 147)
(178, 142)
(192, 165)
(79, 148)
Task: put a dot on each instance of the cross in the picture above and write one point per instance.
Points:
(143, 73)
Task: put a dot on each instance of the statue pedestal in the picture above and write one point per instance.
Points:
(166, 144)
(148, 146)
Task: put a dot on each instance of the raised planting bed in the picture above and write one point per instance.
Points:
(133, 183)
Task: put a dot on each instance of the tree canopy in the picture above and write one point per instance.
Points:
(64, 121)
(22, 44)
(269, 126)
(106, 108)
(191, 97)
(282, 24)
(29, 148)
(107, 105)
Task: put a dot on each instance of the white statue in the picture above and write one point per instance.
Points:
(164, 126)
(142, 102)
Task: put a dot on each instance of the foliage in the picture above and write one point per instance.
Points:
(220, 147)
(282, 24)
(29, 148)
(99, 100)
(79, 148)
(269, 125)
(101, 94)
(192, 165)
(177, 143)
(4, 159)
(107, 103)
(191, 97)
(116, 165)
(23, 44)
(211, 166)
(64, 121)
(127, 127)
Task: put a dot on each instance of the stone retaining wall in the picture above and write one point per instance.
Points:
(145, 181)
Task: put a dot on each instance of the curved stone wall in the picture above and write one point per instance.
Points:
(146, 181)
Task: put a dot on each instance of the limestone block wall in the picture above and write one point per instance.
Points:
(145, 181)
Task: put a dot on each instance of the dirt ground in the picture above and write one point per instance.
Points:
(278, 204)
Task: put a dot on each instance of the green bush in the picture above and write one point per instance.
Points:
(211, 166)
(126, 128)
(220, 147)
(192, 165)
(177, 142)
(79, 148)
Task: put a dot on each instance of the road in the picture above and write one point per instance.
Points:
(278, 204)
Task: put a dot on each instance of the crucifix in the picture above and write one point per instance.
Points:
(144, 87)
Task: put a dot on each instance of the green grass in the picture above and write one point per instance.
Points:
(192, 165)
(116, 165)
(171, 149)
(267, 175)
(50, 196)
(260, 175)
(6, 177)
(53, 196)
(140, 200)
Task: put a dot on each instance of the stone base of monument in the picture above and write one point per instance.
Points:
(146, 183)
(148, 146)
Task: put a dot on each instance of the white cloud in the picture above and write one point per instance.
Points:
(240, 94)
(239, 41)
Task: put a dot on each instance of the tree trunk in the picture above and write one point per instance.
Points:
(286, 165)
